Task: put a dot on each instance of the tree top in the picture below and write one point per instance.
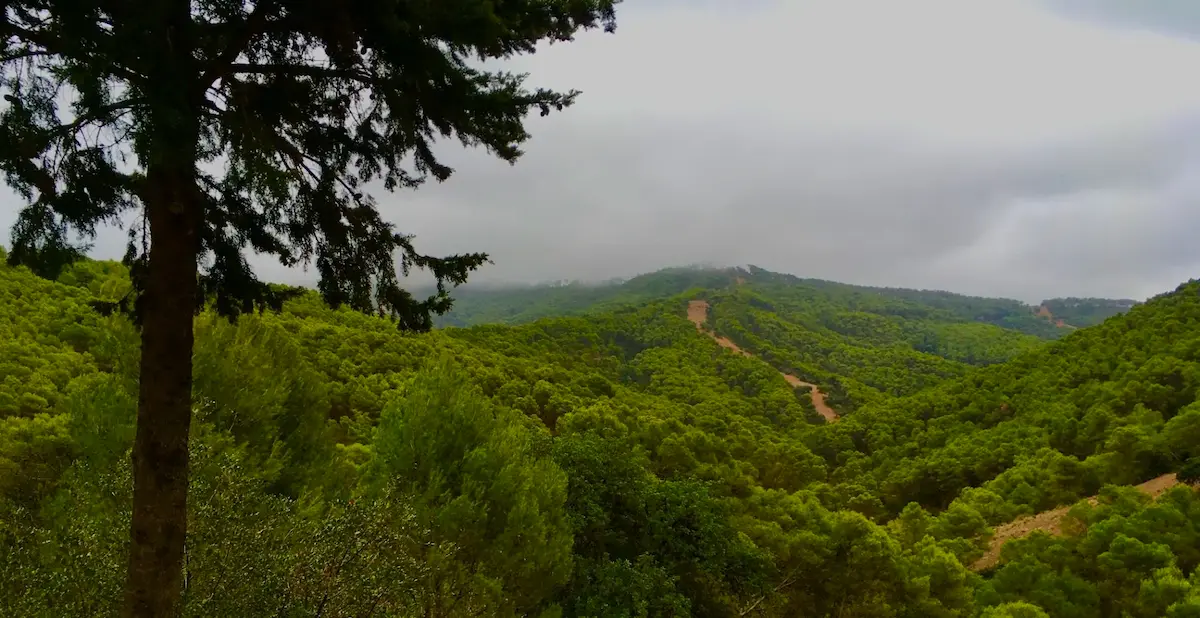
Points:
(297, 106)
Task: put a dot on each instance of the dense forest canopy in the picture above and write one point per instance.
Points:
(615, 461)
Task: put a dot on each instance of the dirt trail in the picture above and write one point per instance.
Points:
(698, 314)
(1051, 522)
(1044, 312)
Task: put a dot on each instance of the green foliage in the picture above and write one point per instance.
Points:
(482, 480)
(1081, 312)
(1019, 609)
(859, 344)
(1190, 472)
(648, 547)
(1128, 558)
(618, 463)
(1106, 404)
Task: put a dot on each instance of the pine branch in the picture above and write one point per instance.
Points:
(302, 70)
(53, 46)
(105, 114)
(253, 26)
(22, 55)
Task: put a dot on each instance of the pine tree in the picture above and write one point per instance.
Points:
(224, 126)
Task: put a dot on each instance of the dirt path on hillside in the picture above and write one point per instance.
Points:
(1051, 522)
(698, 314)
(1044, 312)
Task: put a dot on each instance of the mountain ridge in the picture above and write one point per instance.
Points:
(515, 304)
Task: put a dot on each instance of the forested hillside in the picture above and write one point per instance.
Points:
(1080, 312)
(617, 463)
(522, 304)
(518, 304)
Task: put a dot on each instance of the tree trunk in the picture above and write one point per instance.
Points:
(160, 449)
(170, 196)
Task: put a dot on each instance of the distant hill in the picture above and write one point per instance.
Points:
(858, 344)
(519, 304)
(1081, 312)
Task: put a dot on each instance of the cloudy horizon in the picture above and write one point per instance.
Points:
(1012, 148)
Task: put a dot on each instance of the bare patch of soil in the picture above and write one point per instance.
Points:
(818, 398)
(1044, 312)
(1156, 486)
(1051, 522)
(698, 314)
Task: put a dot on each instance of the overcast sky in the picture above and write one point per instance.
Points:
(1021, 148)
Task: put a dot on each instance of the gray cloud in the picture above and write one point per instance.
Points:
(1176, 17)
(1014, 152)
(1098, 216)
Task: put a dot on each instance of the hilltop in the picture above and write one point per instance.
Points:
(1081, 312)
(519, 304)
(849, 340)
(623, 458)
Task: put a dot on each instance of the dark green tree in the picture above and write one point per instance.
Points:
(225, 126)
(1190, 472)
